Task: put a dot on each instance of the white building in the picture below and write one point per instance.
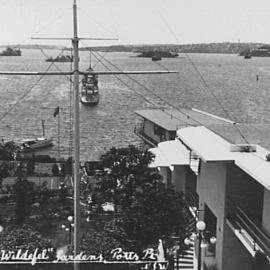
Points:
(160, 125)
(230, 187)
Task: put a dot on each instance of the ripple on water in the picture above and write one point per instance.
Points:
(111, 123)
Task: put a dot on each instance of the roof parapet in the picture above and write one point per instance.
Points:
(214, 116)
(246, 148)
(249, 148)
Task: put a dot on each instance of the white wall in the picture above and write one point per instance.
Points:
(266, 210)
(179, 178)
(211, 188)
(235, 255)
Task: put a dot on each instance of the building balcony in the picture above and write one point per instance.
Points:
(252, 236)
(192, 200)
(139, 131)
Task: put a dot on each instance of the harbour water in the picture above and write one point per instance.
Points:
(231, 79)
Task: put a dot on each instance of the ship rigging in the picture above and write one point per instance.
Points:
(76, 75)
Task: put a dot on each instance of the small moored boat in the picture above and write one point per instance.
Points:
(28, 145)
(36, 143)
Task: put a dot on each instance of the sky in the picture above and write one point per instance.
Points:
(136, 21)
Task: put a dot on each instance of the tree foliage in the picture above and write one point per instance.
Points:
(157, 213)
(125, 173)
(55, 170)
(98, 243)
(3, 173)
(23, 190)
(30, 167)
(8, 150)
(24, 237)
(147, 208)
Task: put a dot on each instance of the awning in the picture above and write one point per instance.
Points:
(175, 152)
(169, 154)
(160, 160)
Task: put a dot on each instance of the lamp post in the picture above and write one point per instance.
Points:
(176, 248)
(202, 240)
(200, 227)
(68, 227)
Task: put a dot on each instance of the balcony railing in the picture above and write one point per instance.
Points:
(250, 231)
(192, 199)
(194, 162)
(138, 130)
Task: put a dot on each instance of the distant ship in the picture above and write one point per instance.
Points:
(248, 55)
(262, 51)
(90, 91)
(62, 58)
(156, 57)
(11, 52)
(161, 54)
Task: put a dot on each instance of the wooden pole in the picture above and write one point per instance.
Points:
(59, 134)
(75, 43)
(43, 123)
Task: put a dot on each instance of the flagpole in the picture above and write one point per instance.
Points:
(42, 123)
(75, 43)
(59, 134)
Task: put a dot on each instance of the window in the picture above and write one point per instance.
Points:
(158, 130)
(172, 135)
(169, 177)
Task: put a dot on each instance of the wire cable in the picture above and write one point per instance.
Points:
(25, 94)
(141, 95)
(203, 80)
(57, 18)
(156, 95)
(117, 77)
(85, 13)
(138, 93)
(53, 62)
(103, 56)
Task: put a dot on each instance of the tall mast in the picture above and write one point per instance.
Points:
(75, 42)
(43, 123)
(76, 73)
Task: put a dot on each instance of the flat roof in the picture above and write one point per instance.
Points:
(206, 144)
(174, 152)
(171, 119)
(169, 154)
(159, 160)
(211, 147)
